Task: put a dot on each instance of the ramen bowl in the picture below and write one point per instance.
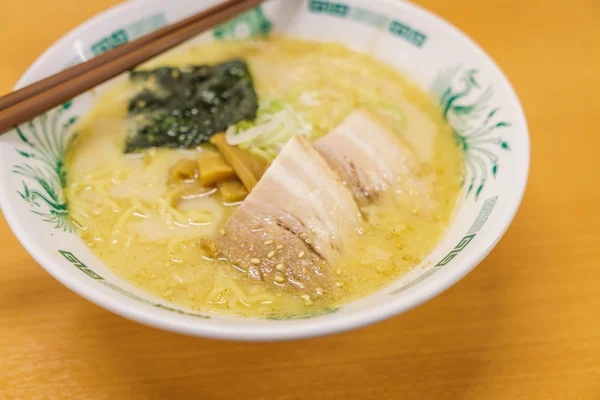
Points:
(473, 95)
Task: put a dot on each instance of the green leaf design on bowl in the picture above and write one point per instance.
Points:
(46, 141)
(466, 106)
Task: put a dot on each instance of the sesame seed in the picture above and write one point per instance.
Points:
(222, 232)
(339, 284)
(279, 278)
(319, 291)
(279, 267)
(308, 241)
(255, 261)
(338, 271)
(268, 242)
(279, 247)
(271, 254)
(301, 254)
(168, 292)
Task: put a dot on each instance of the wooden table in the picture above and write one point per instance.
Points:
(524, 325)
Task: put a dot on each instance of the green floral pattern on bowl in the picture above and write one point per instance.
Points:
(468, 107)
(46, 141)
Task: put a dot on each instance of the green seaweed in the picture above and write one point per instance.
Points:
(184, 107)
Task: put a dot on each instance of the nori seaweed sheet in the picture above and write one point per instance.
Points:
(186, 106)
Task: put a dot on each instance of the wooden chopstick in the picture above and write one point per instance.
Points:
(33, 100)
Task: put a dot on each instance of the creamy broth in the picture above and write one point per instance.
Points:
(125, 211)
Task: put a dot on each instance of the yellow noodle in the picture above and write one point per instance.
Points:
(122, 220)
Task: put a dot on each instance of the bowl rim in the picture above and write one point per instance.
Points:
(334, 323)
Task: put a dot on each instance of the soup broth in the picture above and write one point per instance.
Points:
(150, 232)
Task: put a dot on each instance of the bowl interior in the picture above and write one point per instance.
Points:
(473, 95)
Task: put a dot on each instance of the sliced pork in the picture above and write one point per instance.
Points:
(297, 219)
(368, 157)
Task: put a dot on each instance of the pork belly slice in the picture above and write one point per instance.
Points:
(368, 157)
(297, 219)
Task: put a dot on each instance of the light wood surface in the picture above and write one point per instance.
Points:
(524, 325)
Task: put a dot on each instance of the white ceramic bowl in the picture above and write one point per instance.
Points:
(473, 93)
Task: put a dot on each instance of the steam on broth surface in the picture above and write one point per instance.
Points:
(166, 225)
